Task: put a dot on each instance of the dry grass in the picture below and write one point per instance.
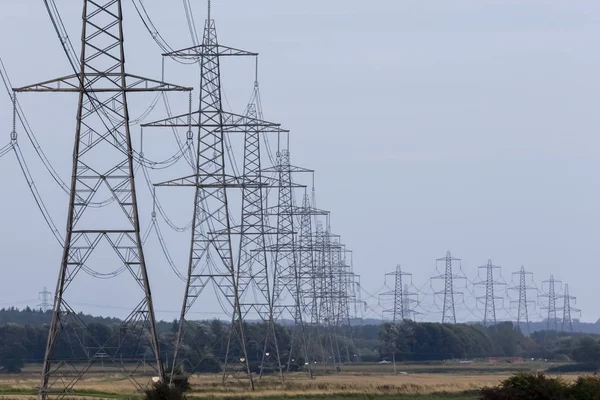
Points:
(354, 380)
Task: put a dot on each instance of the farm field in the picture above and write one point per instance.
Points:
(360, 381)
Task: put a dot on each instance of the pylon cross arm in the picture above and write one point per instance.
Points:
(229, 122)
(223, 180)
(102, 82)
(210, 50)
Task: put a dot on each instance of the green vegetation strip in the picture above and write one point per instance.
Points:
(75, 394)
(350, 396)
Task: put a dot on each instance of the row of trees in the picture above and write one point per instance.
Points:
(23, 336)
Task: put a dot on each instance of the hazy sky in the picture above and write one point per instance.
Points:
(467, 126)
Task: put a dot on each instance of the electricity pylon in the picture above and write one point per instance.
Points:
(103, 208)
(326, 308)
(523, 288)
(287, 282)
(44, 297)
(309, 275)
(211, 251)
(253, 267)
(409, 312)
(399, 309)
(490, 298)
(568, 309)
(449, 310)
(552, 321)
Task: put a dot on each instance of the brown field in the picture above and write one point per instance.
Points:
(355, 379)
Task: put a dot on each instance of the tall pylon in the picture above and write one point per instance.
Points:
(523, 288)
(326, 287)
(310, 277)
(253, 265)
(489, 315)
(568, 309)
(287, 282)
(341, 294)
(552, 321)
(449, 308)
(103, 210)
(211, 250)
(398, 310)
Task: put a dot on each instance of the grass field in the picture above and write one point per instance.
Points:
(356, 382)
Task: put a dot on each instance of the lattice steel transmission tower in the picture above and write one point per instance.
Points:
(253, 267)
(399, 309)
(212, 258)
(309, 272)
(490, 298)
(44, 297)
(102, 210)
(449, 309)
(552, 321)
(342, 295)
(523, 288)
(287, 280)
(310, 276)
(326, 291)
(568, 309)
(410, 312)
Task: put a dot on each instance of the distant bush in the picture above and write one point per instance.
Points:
(537, 386)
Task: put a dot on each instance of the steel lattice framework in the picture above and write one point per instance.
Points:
(287, 281)
(523, 288)
(211, 251)
(102, 166)
(552, 321)
(489, 314)
(326, 309)
(399, 310)
(568, 309)
(449, 310)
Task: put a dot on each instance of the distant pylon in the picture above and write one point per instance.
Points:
(287, 283)
(44, 297)
(489, 315)
(449, 310)
(398, 310)
(552, 321)
(522, 288)
(568, 309)
(409, 312)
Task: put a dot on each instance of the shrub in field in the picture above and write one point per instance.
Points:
(586, 388)
(162, 391)
(528, 386)
(180, 380)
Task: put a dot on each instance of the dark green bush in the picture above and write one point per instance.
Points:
(586, 388)
(162, 391)
(528, 386)
(179, 379)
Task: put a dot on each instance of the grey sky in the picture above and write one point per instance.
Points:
(467, 126)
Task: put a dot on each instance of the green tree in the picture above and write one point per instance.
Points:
(13, 358)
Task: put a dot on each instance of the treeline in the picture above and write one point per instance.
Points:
(24, 333)
(411, 341)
